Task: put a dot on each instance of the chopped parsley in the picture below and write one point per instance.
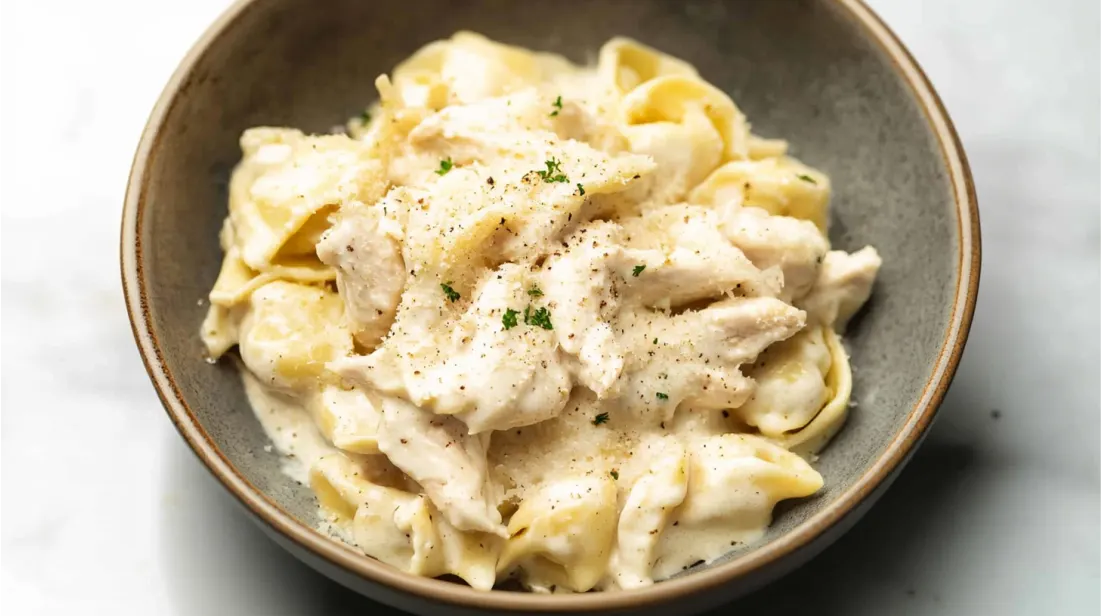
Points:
(615, 475)
(580, 190)
(557, 106)
(535, 291)
(807, 178)
(452, 295)
(637, 270)
(601, 418)
(538, 318)
(553, 172)
(445, 166)
(655, 340)
(509, 318)
(662, 396)
(365, 117)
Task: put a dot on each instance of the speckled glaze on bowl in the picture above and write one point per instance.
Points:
(825, 74)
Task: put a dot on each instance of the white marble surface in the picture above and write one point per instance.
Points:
(106, 512)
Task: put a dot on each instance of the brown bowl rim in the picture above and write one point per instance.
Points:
(919, 419)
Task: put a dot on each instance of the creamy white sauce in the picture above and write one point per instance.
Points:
(289, 426)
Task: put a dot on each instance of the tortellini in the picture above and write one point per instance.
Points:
(651, 503)
(626, 64)
(674, 98)
(734, 480)
(469, 68)
(562, 535)
(291, 332)
(572, 326)
(285, 187)
(402, 529)
(811, 438)
(791, 384)
(347, 418)
(780, 186)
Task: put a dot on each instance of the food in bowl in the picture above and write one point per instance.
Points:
(576, 326)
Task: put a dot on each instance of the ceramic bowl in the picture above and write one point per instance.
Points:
(825, 74)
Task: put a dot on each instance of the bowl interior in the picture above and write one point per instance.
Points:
(804, 71)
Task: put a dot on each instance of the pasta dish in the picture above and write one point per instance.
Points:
(522, 319)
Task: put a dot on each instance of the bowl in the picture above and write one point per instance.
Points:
(825, 74)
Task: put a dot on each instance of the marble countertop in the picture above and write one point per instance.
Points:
(997, 513)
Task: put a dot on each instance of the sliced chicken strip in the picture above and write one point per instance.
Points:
(794, 246)
(694, 356)
(364, 247)
(678, 255)
(448, 463)
(580, 281)
(746, 326)
(844, 284)
(685, 276)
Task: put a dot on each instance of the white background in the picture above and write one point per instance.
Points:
(105, 511)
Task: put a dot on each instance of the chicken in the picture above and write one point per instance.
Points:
(364, 247)
(580, 282)
(686, 276)
(794, 246)
(494, 367)
(844, 283)
(449, 464)
(677, 255)
(694, 356)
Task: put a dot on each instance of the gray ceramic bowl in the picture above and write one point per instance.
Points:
(827, 75)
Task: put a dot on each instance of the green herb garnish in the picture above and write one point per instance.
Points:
(535, 291)
(557, 106)
(553, 172)
(637, 270)
(365, 117)
(662, 396)
(538, 318)
(445, 166)
(601, 418)
(615, 475)
(509, 318)
(451, 293)
(580, 190)
(807, 178)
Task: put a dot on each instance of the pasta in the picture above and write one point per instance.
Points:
(574, 326)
